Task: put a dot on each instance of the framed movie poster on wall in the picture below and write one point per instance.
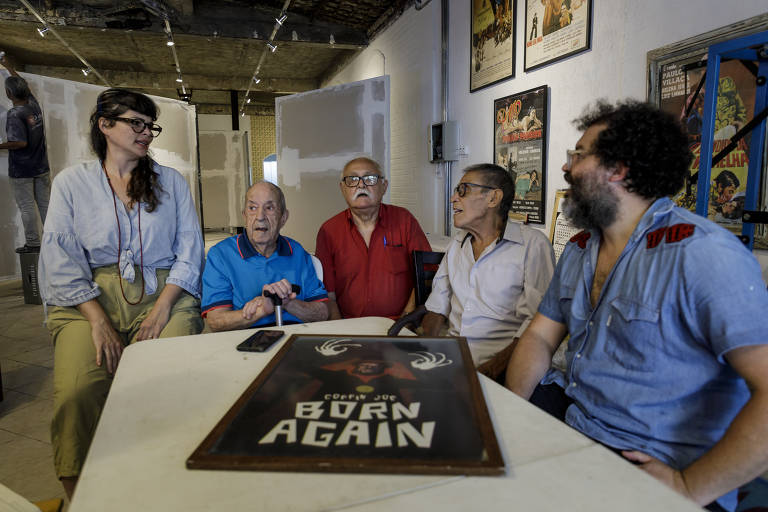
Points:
(492, 52)
(676, 75)
(363, 404)
(555, 29)
(520, 146)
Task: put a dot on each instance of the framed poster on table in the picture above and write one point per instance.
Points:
(555, 29)
(520, 146)
(492, 52)
(370, 404)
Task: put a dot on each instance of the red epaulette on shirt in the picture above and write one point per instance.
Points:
(581, 238)
(669, 234)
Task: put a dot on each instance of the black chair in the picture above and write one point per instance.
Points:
(425, 265)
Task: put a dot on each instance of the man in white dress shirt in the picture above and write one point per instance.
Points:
(494, 273)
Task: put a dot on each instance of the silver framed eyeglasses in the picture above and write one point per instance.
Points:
(369, 180)
(461, 188)
(574, 155)
(138, 125)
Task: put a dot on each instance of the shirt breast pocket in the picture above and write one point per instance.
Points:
(398, 259)
(634, 337)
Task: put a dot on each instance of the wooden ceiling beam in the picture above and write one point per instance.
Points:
(149, 81)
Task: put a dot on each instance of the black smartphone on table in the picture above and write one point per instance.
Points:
(260, 341)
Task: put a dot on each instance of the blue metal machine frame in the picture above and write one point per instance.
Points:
(751, 48)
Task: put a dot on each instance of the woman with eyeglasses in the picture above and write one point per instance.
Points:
(120, 263)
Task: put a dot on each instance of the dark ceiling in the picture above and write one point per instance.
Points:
(219, 44)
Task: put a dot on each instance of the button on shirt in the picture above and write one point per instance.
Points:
(646, 367)
(81, 233)
(491, 301)
(373, 280)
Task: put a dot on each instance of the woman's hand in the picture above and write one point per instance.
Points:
(160, 313)
(155, 322)
(108, 345)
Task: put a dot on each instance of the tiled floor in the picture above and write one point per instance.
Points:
(26, 361)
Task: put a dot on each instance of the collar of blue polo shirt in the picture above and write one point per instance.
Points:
(278, 302)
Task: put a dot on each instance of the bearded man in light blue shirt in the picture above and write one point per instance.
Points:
(667, 361)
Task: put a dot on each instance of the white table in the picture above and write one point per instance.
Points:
(168, 394)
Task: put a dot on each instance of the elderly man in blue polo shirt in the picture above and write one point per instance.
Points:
(667, 361)
(241, 268)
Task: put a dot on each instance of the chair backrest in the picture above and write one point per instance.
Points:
(425, 264)
(318, 266)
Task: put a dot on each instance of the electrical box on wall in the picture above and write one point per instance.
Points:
(444, 141)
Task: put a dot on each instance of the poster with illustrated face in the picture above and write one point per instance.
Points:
(520, 146)
(681, 93)
(362, 404)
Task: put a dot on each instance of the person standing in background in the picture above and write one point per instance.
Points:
(27, 156)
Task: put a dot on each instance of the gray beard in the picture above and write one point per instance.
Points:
(591, 204)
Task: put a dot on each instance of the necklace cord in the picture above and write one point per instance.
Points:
(120, 244)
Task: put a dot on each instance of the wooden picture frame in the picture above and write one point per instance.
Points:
(520, 124)
(560, 228)
(492, 45)
(555, 30)
(369, 404)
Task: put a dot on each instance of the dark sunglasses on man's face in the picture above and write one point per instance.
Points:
(369, 180)
(462, 188)
(138, 125)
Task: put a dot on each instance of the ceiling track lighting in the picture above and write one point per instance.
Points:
(183, 95)
(45, 29)
(269, 45)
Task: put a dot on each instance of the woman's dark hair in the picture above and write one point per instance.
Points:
(497, 177)
(651, 143)
(144, 185)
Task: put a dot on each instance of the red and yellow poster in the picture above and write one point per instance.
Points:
(520, 146)
(735, 107)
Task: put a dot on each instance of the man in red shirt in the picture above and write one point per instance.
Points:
(366, 249)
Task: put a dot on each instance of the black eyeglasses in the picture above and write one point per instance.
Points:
(461, 188)
(369, 180)
(139, 125)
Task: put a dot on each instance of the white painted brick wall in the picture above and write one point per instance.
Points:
(623, 32)
(411, 56)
